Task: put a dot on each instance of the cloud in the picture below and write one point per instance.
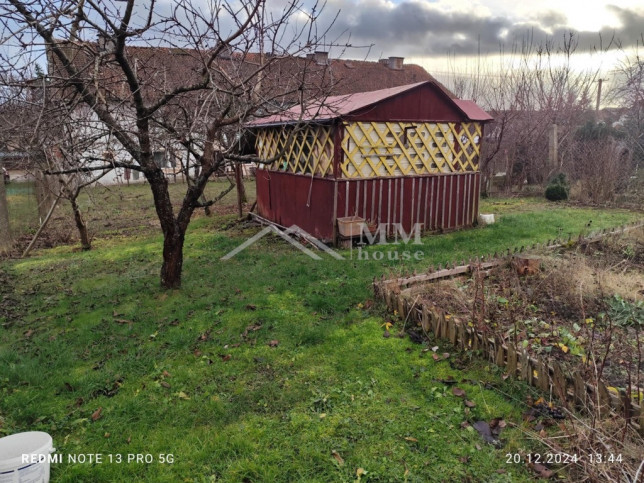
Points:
(416, 28)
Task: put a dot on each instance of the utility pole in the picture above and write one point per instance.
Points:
(599, 97)
(553, 145)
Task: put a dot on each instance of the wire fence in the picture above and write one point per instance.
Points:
(23, 208)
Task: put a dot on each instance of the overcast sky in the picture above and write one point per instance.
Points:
(433, 28)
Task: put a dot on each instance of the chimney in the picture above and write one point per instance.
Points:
(319, 57)
(395, 63)
(105, 43)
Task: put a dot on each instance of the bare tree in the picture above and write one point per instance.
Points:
(628, 94)
(229, 53)
(529, 88)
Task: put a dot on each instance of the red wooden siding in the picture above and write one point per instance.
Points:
(290, 199)
(423, 103)
(438, 202)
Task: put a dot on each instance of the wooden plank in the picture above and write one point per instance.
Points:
(364, 201)
(559, 381)
(627, 406)
(402, 185)
(485, 347)
(452, 331)
(525, 365)
(424, 321)
(430, 205)
(462, 336)
(393, 211)
(373, 200)
(444, 178)
(357, 210)
(512, 360)
(413, 199)
(380, 202)
(500, 354)
(389, 205)
(346, 198)
(451, 198)
(419, 204)
(426, 277)
(604, 399)
(543, 379)
(580, 390)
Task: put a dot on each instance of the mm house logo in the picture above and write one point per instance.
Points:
(295, 230)
(377, 237)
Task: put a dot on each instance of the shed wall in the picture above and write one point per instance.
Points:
(438, 202)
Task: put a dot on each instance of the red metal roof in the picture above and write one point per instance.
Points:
(334, 107)
(472, 111)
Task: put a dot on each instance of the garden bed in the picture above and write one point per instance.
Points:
(572, 325)
(583, 307)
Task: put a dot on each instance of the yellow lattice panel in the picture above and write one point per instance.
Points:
(303, 150)
(374, 149)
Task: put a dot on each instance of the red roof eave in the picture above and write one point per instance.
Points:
(472, 111)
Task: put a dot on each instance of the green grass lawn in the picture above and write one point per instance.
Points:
(261, 368)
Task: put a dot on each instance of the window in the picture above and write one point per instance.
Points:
(160, 159)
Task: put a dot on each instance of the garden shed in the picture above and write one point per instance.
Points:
(402, 155)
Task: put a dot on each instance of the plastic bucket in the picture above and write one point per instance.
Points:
(486, 219)
(24, 457)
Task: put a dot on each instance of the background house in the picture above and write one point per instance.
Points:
(406, 155)
(161, 70)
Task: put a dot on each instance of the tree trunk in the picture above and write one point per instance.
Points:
(173, 232)
(172, 260)
(241, 192)
(5, 233)
(81, 225)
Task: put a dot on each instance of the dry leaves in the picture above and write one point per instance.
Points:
(97, 414)
(337, 457)
(458, 392)
(541, 470)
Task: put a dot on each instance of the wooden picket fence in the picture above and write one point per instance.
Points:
(401, 295)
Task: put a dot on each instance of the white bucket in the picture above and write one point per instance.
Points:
(486, 219)
(24, 457)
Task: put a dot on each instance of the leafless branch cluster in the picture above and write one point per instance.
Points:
(135, 86)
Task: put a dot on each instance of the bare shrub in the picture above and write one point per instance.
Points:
(600, 165)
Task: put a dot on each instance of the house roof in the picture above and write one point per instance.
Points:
(335, 107)
(162, 69)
